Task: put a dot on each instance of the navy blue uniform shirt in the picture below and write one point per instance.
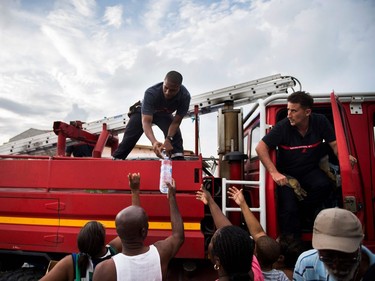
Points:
(296, 153)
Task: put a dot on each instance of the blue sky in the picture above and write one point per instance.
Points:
(85, 60)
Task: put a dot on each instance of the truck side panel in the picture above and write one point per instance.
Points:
(56, 197)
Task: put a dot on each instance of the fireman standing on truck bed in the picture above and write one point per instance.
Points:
(159, 102)
(299, 138)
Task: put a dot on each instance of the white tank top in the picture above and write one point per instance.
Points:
(138, 268)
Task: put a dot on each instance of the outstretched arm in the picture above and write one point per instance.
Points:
(169, 247)
(176, 219)
(134, 182)
(220, 219)
(255, 228)
(262, 150)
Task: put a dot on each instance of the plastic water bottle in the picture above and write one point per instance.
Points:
(165, 174)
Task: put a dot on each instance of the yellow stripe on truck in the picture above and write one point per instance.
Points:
(79, 223)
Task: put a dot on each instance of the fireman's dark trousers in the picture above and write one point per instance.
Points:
(291, 212)
(134, 131)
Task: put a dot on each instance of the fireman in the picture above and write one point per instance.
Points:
(299, 139)
(159, 102)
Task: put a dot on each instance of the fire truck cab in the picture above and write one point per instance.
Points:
(353, 118)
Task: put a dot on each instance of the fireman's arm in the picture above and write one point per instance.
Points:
(147, 128)
(168, 248)
(176, 122)
(175, 125)
(255, 228)
(220, 219)
(333, 145)
(262, 150)
(63, 270)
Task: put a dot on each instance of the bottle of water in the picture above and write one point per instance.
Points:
(165, 174)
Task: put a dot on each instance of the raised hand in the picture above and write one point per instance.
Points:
(203, 195)
(134, 181)
(236, 195)
(171, 188)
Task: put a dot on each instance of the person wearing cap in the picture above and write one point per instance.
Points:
(338, 252)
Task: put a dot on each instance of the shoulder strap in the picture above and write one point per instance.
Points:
(112, 250)
(78, 272)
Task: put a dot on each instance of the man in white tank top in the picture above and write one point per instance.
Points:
(147, 263)
(139, 262)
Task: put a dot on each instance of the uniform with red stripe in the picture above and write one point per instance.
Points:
(299, 139)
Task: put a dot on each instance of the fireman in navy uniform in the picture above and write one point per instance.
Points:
(159, 102)
(299, 140)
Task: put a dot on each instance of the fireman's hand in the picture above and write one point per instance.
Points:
(280, 179)
(171, 189)
(158, 148)
(203, 195)
(298, 190)
(352, 160)
(134, 181)
(168, 147)
(236, 194)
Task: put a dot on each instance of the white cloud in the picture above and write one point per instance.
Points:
(113, 16)
(91, 59)
(85, 7)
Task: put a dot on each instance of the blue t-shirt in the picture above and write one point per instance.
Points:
(275, 275)
(309, 267)
(154, 101)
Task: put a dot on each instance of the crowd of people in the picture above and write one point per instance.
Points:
(237, 253)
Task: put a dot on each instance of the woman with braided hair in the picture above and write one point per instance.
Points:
(231, 251)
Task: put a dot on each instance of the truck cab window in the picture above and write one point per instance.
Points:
(254, 141)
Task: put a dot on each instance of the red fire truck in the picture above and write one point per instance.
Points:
(45, 200)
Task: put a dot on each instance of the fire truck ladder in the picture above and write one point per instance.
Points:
(241, 94)
(115, 125)
(262, 199)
